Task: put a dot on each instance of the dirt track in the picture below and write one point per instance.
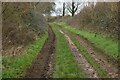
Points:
(99, 57)
(84, 64)
(42, 67)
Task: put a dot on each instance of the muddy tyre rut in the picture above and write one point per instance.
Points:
(101, 59)
(82, 62)
(42, 66)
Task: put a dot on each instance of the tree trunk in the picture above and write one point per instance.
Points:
(72, 13)
(64, 9)
(73, 7)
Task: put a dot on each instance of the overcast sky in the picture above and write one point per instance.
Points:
(59, 4)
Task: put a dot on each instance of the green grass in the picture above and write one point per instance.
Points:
(65, 65)
(106, 44)
(16, 66)
(101, 73)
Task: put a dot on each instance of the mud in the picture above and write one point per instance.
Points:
(105, 62)
(99, 57)
(83, 63)
(42, 66)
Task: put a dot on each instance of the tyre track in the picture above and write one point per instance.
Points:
(43, 65)
(88, 69)
(99, 58)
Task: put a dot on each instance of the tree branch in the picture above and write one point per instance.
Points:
(76, 8)
(5, 8)
(69, 9)
(36, 3)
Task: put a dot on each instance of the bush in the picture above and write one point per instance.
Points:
(21, 24)
(103, 17)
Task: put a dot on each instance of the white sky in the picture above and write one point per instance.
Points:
(59, 4)
(55, 0)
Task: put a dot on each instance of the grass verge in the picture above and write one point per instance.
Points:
(65, 65)
(16, 66)
(101, 73)
(105, 44)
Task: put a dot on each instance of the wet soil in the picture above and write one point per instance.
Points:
(42, 66)
(83, 63)
(99, 57)
(105, 62)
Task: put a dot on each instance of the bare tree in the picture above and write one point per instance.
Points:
(64, 9)
(73, 8)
